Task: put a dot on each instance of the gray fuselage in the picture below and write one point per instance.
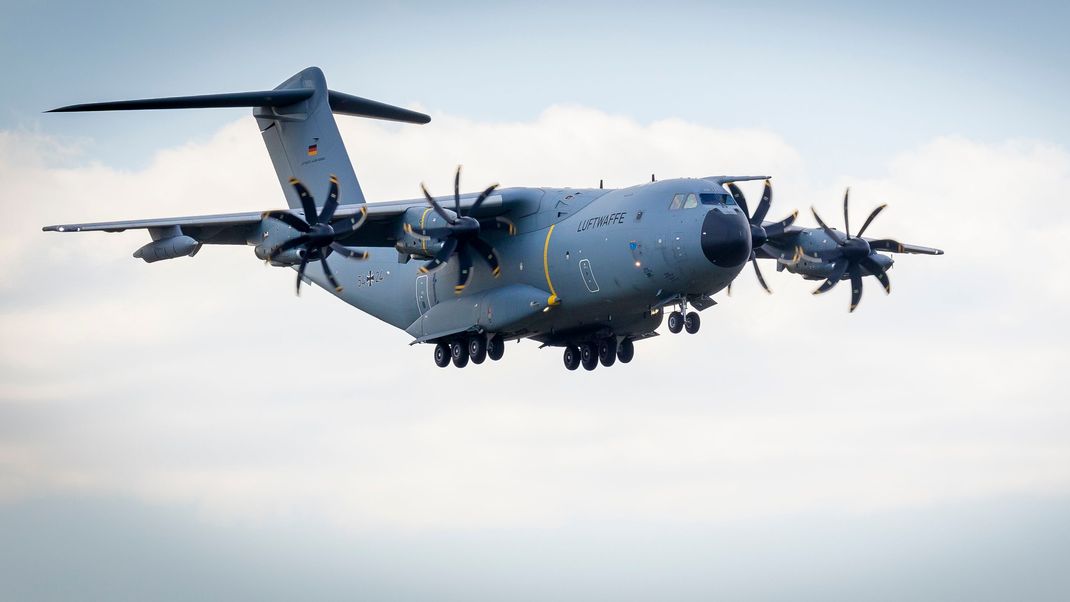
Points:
(611, 258)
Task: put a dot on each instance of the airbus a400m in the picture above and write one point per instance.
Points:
(588, 270)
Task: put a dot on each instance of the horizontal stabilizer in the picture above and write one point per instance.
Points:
(270, 98)
(345, 104)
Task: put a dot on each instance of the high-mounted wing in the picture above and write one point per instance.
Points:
(382, 223)
(227, 228)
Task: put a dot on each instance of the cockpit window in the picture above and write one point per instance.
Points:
(717, 198)
(691, 200)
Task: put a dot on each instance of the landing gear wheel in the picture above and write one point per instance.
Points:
(442, 355)
(676, 322)
(607, 351)
(496, 347)
(572, 357)
(692, 322)
(477, 348)
(459, 353)
(588, 356)
(625, 351)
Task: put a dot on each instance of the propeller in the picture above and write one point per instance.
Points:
(319, 236)
(759, 233)
(853, 253)
(460, 236)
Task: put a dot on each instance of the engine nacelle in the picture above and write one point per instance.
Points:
(803, 259)
(284, 259)
(412, 243)
(268, 237)
(168, 248)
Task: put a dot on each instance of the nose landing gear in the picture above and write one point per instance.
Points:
(679, 320)
(692, 322)
(676, 322)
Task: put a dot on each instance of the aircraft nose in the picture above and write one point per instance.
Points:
(726, 239)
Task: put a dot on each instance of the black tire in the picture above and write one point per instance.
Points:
(607, 351)
(625, 351)
(459, 353)
(588, 356)
(572, 357)
(676, 322)
(477, 348)
(496, 347)
(442, 355)
(692, 322)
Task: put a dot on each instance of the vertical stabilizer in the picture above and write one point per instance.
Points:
(303, 142)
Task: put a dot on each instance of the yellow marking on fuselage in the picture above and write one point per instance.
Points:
(546, 260)
(423, 242)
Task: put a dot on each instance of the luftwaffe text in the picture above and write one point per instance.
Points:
(602, 220)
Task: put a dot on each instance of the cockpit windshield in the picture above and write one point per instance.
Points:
(717, 198)
(690, 200)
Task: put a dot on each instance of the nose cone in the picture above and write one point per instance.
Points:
(726, 239)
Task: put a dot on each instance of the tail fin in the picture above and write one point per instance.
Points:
(296, 120)
(304, 143)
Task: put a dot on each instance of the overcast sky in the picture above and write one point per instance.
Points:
(160, 437)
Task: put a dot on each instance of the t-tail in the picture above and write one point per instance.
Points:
(296, 120)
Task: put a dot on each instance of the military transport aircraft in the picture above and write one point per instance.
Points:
(589, 270)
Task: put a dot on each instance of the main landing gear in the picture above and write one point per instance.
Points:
(475, 347)
(689, 321)
(605, 351)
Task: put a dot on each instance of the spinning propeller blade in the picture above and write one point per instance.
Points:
(853, 254)
(319, 237)
(461, 237)
(760, 233)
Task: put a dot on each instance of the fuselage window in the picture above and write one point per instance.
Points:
(691, 202)
(677, 202)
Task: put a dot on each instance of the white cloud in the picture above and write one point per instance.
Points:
(205, 381)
